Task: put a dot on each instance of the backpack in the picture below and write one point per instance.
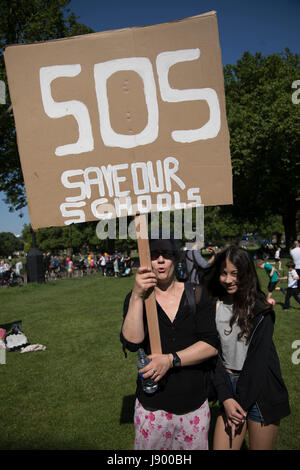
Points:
(182, 273)
(194, 293)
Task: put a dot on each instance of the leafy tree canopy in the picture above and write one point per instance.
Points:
(263, 120)
(223, 227)
(9, 243)
(26, 21)
(80, 237)
(264, 133)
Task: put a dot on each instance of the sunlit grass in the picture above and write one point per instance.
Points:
(78, 393)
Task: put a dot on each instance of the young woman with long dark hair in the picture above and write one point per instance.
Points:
(248, 380)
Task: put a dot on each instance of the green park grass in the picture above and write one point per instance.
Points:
(79, 393)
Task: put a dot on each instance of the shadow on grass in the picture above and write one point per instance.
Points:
(43, 444)
(127, 411)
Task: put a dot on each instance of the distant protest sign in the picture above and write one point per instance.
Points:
(121, 122)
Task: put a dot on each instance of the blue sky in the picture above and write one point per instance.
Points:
(267, 26)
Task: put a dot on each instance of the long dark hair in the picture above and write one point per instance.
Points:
(249, 290)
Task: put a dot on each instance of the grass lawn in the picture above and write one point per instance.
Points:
(79, 392)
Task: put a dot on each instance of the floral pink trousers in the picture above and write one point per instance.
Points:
(159, 430)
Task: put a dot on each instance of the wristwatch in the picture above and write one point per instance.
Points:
(176, 360)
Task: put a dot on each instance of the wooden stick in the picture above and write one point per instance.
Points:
(150, 302)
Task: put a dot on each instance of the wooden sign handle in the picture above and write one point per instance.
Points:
(150, 302)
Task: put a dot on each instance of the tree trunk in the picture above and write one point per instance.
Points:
(289, 223)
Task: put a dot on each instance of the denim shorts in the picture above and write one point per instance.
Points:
(253, 412)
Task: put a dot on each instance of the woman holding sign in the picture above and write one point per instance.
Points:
(177, 415)
(248, 379)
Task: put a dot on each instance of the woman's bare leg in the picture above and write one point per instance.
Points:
(262, 437)
(222, 435)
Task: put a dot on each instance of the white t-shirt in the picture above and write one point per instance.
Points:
(295, 254)
(293, 279)
(4, 267)
(234, 351)
(18, 267)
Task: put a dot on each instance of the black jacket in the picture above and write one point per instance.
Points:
(260, 380)
(182, 389)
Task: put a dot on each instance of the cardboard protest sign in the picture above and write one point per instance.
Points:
(121, 122)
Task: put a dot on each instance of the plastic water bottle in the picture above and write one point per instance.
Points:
(180, 271)
(149, 386)
(2, 352)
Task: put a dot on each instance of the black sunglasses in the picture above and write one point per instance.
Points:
(167, 254)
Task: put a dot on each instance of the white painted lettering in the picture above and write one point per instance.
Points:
(118, 179)
(123, 204)
(105, 214)
(193, 195)
(72, 185)
(108, 176)
(177, 202)
(144, 204)
(142, 66)
(156, 185)
(164, 61)
(98, 185)
(171, 166)
(145, 188)
(73, 213)
(164, 202)
(91, 181)
(55, 110)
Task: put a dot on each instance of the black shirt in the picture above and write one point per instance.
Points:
(182, 389)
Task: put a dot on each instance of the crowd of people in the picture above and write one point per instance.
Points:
(273, 270)
(111, 265)
(11, 272)
(57, 266)
(216, 343)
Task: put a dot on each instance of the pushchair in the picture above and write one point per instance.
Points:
(110, 268)
(127, 272)
(10, 278)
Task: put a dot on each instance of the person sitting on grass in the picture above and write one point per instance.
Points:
(273, 278)
(292, 288)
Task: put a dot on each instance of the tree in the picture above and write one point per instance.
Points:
(26, 21)
(80, 237)
(9, 243)
(58, 238)
(265, 140)
(223, 227)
